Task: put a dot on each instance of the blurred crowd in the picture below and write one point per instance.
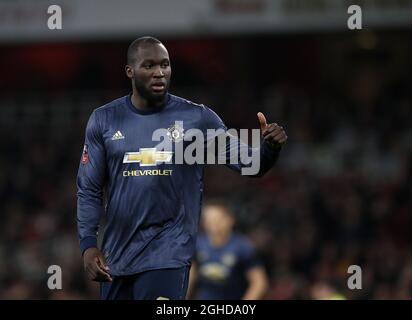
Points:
(340, 194)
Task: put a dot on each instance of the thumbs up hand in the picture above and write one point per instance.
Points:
(272, 133)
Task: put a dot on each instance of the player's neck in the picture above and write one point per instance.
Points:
(219, 240)
(145, 105)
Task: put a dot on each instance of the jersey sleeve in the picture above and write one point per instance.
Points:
(90, 185)
(235, 153)
(249, 256)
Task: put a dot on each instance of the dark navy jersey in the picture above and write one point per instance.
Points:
(222, 270)
(151, 204)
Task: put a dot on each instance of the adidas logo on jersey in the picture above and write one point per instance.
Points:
(118, 135)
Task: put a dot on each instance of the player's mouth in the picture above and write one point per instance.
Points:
(158, 86)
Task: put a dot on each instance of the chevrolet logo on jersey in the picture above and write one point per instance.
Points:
(148, 157)
(214, 271)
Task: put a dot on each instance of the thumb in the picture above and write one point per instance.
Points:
(102, 262)
(262, 121)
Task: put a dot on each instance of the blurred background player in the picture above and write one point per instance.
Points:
(226, 265)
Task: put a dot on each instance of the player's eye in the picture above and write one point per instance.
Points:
(147, 66)
(165, 64)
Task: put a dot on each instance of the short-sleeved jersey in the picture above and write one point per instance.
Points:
(222, 270)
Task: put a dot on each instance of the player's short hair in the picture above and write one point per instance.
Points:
(136, 44)
(223, 203)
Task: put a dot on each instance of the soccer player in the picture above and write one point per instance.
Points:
(226, 265)
(151, 204)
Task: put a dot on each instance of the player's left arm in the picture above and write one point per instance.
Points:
(257, 283)
(255, 273)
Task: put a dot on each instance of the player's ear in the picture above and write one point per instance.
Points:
(129, 71)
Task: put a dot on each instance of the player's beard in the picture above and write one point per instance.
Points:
(146, 94)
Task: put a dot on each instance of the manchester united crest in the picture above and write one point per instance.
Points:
(175, 133)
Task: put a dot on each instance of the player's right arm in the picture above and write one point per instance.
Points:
(90, 185)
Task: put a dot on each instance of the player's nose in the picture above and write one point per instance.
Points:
(158, 72)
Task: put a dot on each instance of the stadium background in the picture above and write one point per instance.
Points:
(341, 192)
